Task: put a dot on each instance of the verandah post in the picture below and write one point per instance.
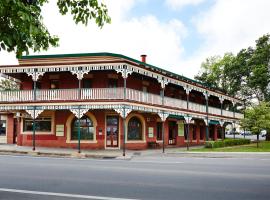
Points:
(207, 117)
(34, 108)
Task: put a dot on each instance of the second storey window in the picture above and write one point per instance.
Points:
(42, 124)
(54, 84)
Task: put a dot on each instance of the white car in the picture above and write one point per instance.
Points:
(263, 133)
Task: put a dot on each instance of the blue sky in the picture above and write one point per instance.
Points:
(177, 35)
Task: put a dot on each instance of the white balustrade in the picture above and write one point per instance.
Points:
(108, 94)
(239, 115)
(214, 111)
(227, 113)
(57, 94)
(102, 93)
(16, 95)
(197, 107)
(178, 103)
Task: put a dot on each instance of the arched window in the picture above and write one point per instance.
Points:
(86, 128)
(134, 129)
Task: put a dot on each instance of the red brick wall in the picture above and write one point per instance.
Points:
(10, 129)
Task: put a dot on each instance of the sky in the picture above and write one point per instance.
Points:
(176, 35)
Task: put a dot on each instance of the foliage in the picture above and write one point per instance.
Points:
(22, 27)
(245, 75)
(257, 118)
(6, 84)
(226, 143)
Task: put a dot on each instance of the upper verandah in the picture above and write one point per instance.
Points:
(40, 62)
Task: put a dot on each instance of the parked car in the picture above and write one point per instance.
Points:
(246, 133)
(263, 133)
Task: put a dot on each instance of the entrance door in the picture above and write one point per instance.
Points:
(172, 132)
(112, 131)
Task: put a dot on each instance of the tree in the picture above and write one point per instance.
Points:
(245, 75)
(22, 27)
(257, 118)
(6, 84)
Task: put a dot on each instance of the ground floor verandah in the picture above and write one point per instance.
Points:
(105, 128)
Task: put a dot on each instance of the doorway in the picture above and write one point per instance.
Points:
(172, 132)
(112, 131)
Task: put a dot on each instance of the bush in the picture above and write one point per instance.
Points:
(226, 143)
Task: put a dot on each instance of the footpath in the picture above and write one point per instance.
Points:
(12, 149)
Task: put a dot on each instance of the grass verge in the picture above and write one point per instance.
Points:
(263, 147)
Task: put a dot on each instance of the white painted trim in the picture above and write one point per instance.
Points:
(68, 129)
(141, 118)
(105, 131)
(47, 113)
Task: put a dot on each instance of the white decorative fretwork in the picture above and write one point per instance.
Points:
(79, 73)
(163, 82)
(163, 116)
(79, 112)
(34, 113)
(35, 75)
(123, 112)
(124, 72)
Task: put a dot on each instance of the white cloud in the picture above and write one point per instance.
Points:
(179, 4)
(230, 25)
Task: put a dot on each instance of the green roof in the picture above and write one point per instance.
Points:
(177, 76)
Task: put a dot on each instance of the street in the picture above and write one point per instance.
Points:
(142, 177)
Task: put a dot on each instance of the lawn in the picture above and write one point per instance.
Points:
(263, 147)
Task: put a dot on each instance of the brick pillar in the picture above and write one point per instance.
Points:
(10, 128)
(215, 132)
(190, 133)
(198, 133)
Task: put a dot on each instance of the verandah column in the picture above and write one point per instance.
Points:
(207, 116)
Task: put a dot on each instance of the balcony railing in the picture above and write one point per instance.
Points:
(107, 94)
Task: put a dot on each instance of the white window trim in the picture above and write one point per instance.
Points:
(50, 114)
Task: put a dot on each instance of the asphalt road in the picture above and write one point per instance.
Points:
(159, 177)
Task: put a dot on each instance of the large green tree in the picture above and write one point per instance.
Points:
(22, 28)
(245, 75)
(257, 118)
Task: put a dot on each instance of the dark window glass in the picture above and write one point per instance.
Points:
(113, 83)
(86, 129)
(41, 124)
(194, 132)
(134, 129)
(202, 132)
(87, 83)
(112, 121)
(54, 84)
(2, 127)
(159, 130)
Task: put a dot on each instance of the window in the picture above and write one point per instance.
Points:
(2, 127)
(202, 132)
(54, 84)
(86, 128)
(42, 124)
(113, 83)
(159, 130)
(134, 129)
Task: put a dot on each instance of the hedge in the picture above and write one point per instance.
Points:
(226, 143)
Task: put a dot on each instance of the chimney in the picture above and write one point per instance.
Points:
(143, 58)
